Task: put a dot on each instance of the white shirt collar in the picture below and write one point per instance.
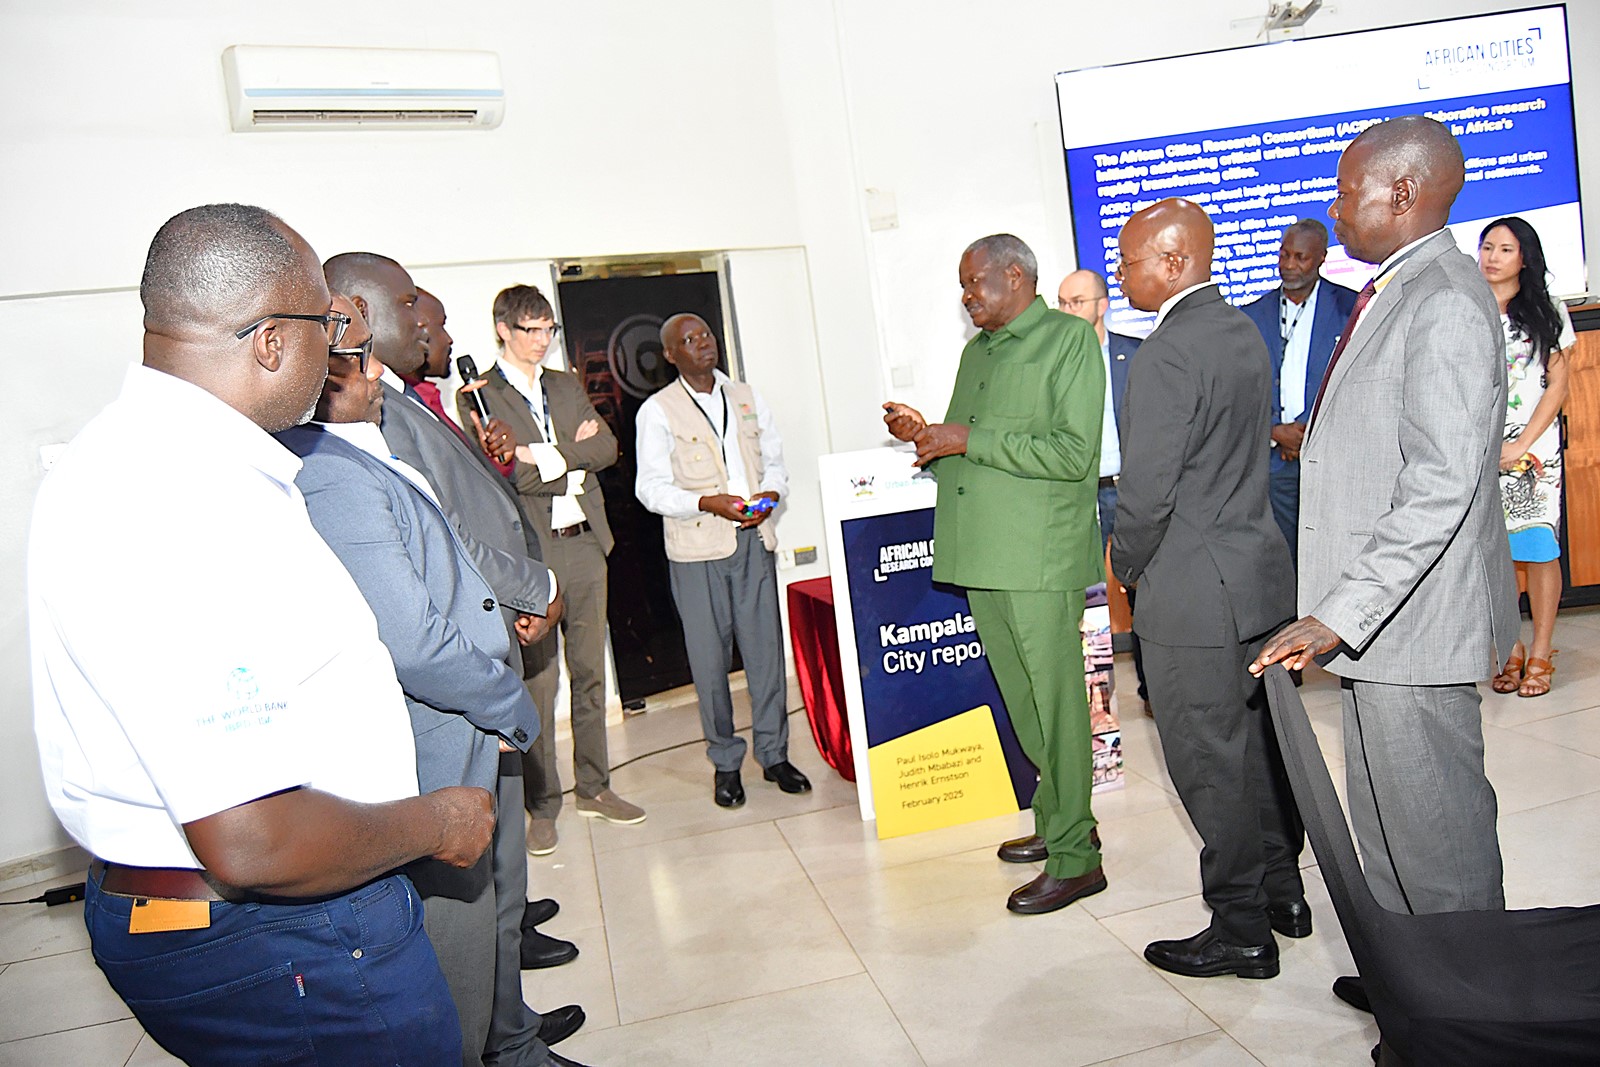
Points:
(1403, 249)
(718, 381)
(392, 380)
(1172, 301)
(526, 384)
(205, 414)
(364, 435)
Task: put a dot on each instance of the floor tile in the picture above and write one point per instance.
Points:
(689, 920)
(1552, 854)
(28, 931)
(1293, 1019)
(1528, 773)
(844, 1021)
(150, 1054)
(106, 1043)
(1207, 1050)
(55, 993)
(972, 982)
(1577, 730)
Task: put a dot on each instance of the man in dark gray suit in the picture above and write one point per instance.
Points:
(1195, 531)
(1405, 572)
(485, 517)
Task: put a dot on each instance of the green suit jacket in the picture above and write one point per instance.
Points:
(1017, 512)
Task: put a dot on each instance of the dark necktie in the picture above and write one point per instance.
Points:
(1362, 300)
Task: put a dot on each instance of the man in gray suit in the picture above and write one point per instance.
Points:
(1405, 574)
(1194, 529)
(485, 518)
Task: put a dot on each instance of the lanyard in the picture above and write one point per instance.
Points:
(1286, 325)
(722, 436)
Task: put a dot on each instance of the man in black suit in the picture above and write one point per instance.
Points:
(1083, 293)
(1195, 531)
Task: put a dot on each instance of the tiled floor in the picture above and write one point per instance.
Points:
(786, 933)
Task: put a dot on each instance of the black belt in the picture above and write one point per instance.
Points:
(572, 531)
(153, 883)
(1108, 482)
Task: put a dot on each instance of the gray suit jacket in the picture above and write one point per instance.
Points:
(569, 408)
(480, 504)
(435, 613)
(1403, 548)
(1194, 527)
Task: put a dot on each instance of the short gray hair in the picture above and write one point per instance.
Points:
(1003, 250)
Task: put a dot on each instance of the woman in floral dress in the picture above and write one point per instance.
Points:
(1538, 337)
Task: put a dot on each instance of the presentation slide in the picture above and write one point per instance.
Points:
(1254, 134)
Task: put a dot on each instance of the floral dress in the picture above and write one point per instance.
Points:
(1531, 490)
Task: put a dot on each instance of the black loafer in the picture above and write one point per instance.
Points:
(538, 912)
(560, 1023)
(1292, 919)
(541, 950)
(1349, 988)
(1205, 956)
(729, 791)
(788, 777)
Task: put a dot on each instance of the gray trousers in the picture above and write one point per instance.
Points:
(514, 1027)
(1223, 757)
(458, 912)
(580, 567)
(720, 601)
(1422, 808)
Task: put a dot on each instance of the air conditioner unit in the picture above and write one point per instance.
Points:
(294, 88)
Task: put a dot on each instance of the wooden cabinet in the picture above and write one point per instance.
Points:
(1581, 463)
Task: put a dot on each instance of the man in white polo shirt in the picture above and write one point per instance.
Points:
(240, 761)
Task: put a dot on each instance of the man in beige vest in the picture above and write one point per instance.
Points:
(711, 465)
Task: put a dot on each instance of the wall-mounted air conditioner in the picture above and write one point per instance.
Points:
(294, 88)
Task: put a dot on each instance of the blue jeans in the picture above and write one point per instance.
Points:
(347, 982)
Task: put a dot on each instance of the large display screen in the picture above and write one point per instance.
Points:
(1254, 134)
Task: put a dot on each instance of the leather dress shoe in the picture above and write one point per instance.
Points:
(538, 912)
(1045, 893)
(1349, 988)
(788, 777)
(1291, 919)
(557, 1060)
(1206, 956)
(729, 791)
(1032, 849)
(542, 950)
(559, 1024)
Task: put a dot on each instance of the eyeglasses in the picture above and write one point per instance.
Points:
(549, 331)
(1121, 263)
(360, 354)
(335, 322)
(1076, 302)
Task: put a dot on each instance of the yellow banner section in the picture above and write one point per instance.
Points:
(948, 773)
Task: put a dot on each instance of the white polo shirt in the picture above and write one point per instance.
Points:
(195, 644)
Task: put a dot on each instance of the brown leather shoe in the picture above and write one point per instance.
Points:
(1032, 849)
(1045, 893)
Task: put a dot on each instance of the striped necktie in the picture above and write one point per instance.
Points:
(1362, 300)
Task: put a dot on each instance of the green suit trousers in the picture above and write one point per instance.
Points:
(1032, 642)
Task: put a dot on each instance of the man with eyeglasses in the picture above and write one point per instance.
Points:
(559, 442)
(1084, 293)
(1016, 459)
(711, 465)
(457, 665)
(1195, 532)
(488, 520)
(241, 762)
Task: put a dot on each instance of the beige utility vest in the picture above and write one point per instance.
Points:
(697, 467)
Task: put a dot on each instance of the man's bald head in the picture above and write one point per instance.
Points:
(215, 264)
(387, 297)
(1396, 184)
(211, 272)
(1164, 249)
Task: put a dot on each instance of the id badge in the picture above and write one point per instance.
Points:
(157, 916)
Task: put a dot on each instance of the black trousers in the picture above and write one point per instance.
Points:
(1223, 757)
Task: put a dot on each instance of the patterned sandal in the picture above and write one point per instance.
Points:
(1510, 679)
(1536, 677)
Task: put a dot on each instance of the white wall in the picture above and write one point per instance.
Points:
(630, 127)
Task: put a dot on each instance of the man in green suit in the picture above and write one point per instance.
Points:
(1018, 459)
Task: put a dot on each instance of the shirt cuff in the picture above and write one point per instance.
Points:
(547, 457)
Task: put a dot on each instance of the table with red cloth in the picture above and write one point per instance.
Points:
(815, 637)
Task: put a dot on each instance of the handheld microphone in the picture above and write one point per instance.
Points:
(469, 374)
